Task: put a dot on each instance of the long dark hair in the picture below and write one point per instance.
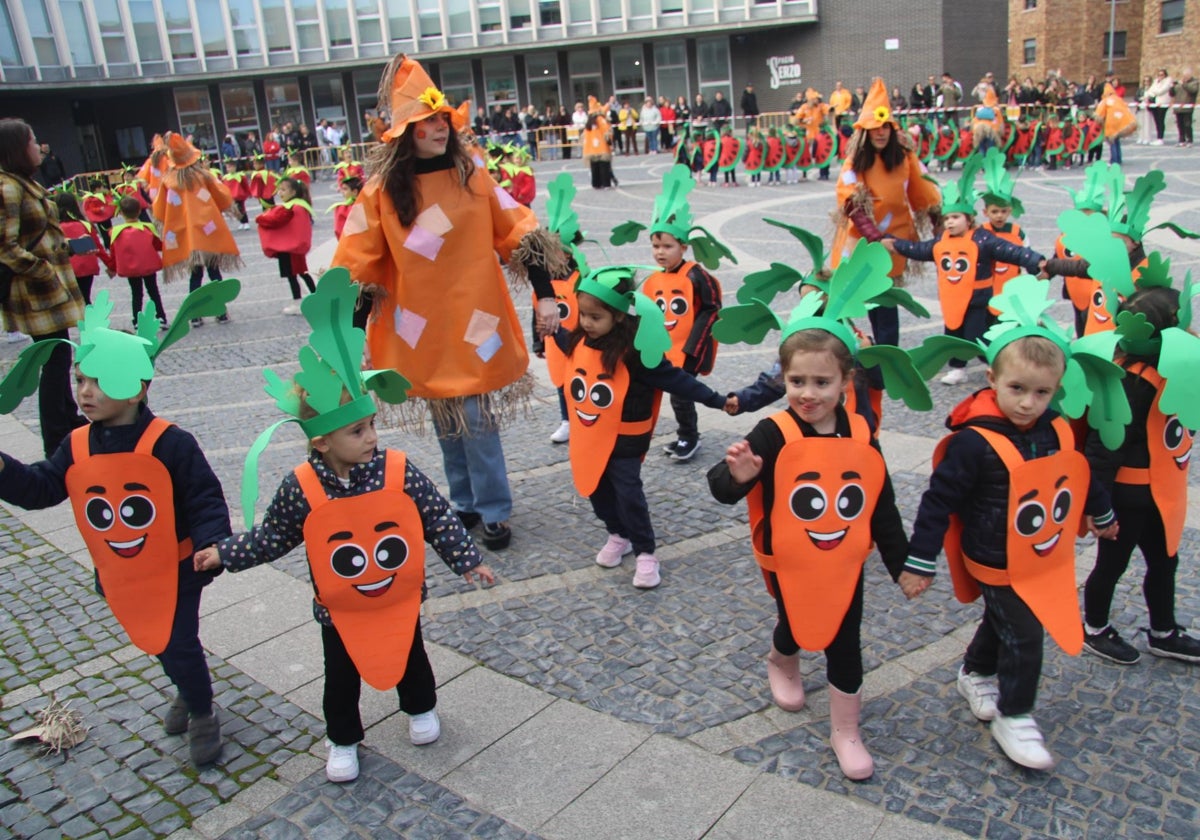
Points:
(617, 345)
(892, 154)
(68, 206)
(15, 135)
(1160, 306)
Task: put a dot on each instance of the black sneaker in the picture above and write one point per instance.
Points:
(176, 720)
(685, 450)
(223, 318)
(1178, 645)
(1108, 644)
(197, 322)
(669, 448)
(468, 518)
(496, 535)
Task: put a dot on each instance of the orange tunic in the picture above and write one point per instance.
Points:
(193, 223)
(448, 320)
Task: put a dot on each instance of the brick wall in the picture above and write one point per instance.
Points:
(1071, 35)
(1173, 50)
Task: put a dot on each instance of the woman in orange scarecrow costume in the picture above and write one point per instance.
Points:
(423, 239)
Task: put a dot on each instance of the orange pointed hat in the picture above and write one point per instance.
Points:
(876, 108)
(460, 117)
(413, 98)
(181, 152)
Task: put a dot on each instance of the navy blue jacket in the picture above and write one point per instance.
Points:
(992, 249)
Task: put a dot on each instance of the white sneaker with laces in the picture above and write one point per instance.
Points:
(955, 376)
(292, 309)
(424, 728)
(342, 764)
(980, 692)
(16, 337)
(563, 433)
(1021, 741)
(646, 576)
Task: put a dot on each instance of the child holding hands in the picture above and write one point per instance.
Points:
(364, 516)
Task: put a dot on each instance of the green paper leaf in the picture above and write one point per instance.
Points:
(1023, 300)
(1178, 363)
(330, 312)
(708, 252)
(765, 285)
(118, 361)
(935, 351)
(1108, 409)
(901, 379)
(1138, 201)
(387, 384)
(321, 383)
(249, 488)
(284, 394)
(1073, 393)
(814, 244)
(1178, 230)
(748, 323)
(1185, 301)
(25, 376)
(626, 232)
(208, 301)
(651, 340)
(896, 296)
(858, 279)
(671, 204)
(1133, 328)
(1156, 272)
(561, 218)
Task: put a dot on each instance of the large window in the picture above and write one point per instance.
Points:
(430, 16)
(713, 63)
(10, 54)
(500, 81)
(542, 73)
(519, 15)
(212, 29)
(179, 28)
(196, 118)
(337, 21)
(245, 26)
(1118, 45)
(583, 67)
(370, 29)
(276, 26)
(240, 108)
(629, 80)
(308, 26)
(145, 30)
(670, 70)
(610, 9)
(283, 102)
(458, 16)
(39, 31)
(579, 10)
(329, 103)
(399, 20)
(1172, 16)
(457, 82)
(366, 93)
(77, 32)
(549, 12)
(1030, 48)
(112, 32)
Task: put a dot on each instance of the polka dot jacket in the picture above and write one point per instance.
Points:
(282, 528)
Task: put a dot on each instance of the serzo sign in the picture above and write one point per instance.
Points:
(785, 70)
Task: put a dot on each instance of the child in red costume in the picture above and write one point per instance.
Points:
(261, 183)
(238, 185)
(349, 188)
(100, 204)
(136, 255)
(74, 226)
(285, 231)
(296, 169)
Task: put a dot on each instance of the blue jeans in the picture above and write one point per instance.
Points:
(652, 141)
(1114, 151)
(474, 462)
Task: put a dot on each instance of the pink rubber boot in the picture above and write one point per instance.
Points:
(852, 756)
(783, 674)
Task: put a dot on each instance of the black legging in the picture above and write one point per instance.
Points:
(1143, 528)
(1160, 119)
(843, 657)
(138, 288)
(57, 411)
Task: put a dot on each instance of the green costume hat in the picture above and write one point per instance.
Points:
(1091, 383)
(651, 340)
(673, 215)
(999, 184)
(330, 366)
(1129, 211)
(960, 196)
(1096, 179)
(1090, 236)
(119, 361)
(857, 282)
(561, 218)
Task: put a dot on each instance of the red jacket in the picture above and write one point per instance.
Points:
(271, 150)
(86, 265)
(286, 228)
(136, 249)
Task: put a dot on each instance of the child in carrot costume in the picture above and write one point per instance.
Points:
(819, 492)
(1001, 207)
(364, 515)
(688, 295)
(142, 527)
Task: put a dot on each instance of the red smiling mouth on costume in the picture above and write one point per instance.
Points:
(829, 541)
(1099, 317)
(130, 548)
(1044, 548)
(953, 278)
(586, 419)
(374, 590)
(1181, 461)
(670, 325)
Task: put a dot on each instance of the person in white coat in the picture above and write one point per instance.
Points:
(1159, 95)
(651, 121)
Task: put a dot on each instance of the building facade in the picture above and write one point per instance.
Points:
(1072, 37)
(97, 78)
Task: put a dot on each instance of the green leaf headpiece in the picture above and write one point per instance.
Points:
(999, 184)
(651, 339)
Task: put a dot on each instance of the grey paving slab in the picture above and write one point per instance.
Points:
(540, 767)
(775, 807)
(256, 619)
(665, 789)
(284, 662)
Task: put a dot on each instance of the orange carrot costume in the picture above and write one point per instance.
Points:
(1113, 112)
(190, 206)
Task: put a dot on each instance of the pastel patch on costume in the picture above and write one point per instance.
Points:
(885, 222)
(209, 227)
(481, 327)
(849, 177)
(507, 202)
(170, 241)
(203, 194)
(153, 193)
(421, 241)
(489, 347)
(409, 326)
(174, 198)
(434, 220)
(356, 221)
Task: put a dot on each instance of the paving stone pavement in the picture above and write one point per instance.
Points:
(574, 705)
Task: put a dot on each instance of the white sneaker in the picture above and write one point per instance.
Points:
(980, 692)
(563, 433)
(292, 309)
(614, 549)
(1021, 741)
(16, 337)
(1156, 142)
(342, 764)
(955, 376)
(424, 728)
(646, 576)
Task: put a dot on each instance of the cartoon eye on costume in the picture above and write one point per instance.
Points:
(808, 502)
(946, 263)
(1031, 516)
(961, 264)
(564, 310)
(137, 511)
(390, 553)
(99, 514)
(1061, 506)
(1174, 433)
(679, 306)
(348, 560)
(1098, 298)
(578, 389)
(662, 303)
(601, 395)
(850, 501)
